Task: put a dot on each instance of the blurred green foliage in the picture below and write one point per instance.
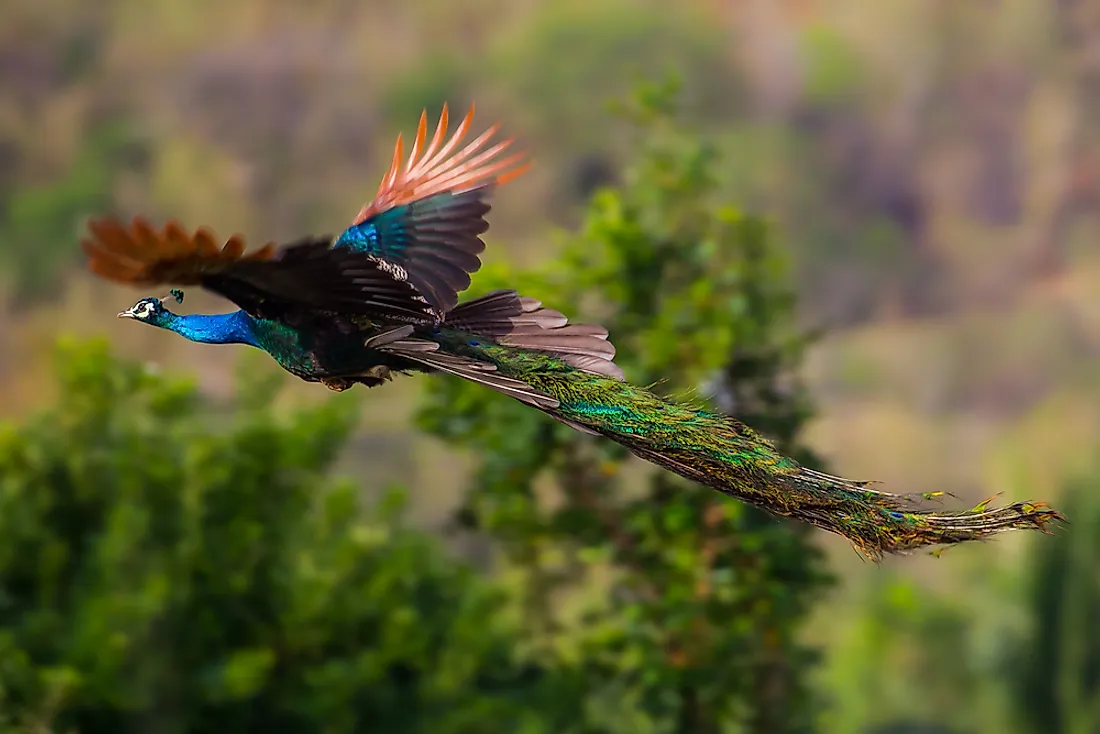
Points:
(687, 604)
(896, 626)
(437, 79)
(1015, 655)
(856, 154)
(161, 574)
(834, 71)
(1055, 677)
(170, 564)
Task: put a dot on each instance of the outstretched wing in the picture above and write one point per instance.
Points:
(269, 281)
(425, 222)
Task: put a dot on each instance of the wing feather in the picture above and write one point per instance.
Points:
(436, 168)
(427, 353)
(512, 320)
(140, 255)
(309, 273)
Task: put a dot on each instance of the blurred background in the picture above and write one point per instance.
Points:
(928, 172)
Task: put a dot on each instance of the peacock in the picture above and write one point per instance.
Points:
(382, 298)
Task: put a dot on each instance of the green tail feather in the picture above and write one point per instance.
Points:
(722, 453)
(880, 522)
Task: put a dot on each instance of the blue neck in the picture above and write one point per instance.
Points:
(220, 328)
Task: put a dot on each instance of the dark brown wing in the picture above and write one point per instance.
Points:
(269, 281)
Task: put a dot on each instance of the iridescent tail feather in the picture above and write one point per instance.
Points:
(878, 522)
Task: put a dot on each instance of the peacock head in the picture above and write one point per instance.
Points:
(152, 310)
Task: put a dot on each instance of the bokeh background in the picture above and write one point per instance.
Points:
(930, 174)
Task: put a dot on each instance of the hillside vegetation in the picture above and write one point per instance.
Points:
(930, 172)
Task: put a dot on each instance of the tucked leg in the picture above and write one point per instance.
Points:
(380, 372)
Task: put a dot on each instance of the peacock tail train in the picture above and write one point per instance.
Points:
(566, 370)
(720, 452)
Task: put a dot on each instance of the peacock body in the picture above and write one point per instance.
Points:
(382, 298)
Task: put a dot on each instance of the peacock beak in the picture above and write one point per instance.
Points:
(127, 314)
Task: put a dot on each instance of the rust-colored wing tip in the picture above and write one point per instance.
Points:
(139, 254)
(439, 167)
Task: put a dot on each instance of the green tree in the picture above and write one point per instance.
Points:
(901, 646)
(678, 608)
(161, 575)
(1056, 674)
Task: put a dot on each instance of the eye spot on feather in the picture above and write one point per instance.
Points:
(474, 343)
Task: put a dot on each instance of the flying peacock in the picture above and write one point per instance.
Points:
(382, 298)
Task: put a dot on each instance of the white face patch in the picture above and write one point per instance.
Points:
(143, 310)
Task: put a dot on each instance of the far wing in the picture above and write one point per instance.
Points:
(308, 274)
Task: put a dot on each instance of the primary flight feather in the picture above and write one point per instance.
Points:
(383, 297)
